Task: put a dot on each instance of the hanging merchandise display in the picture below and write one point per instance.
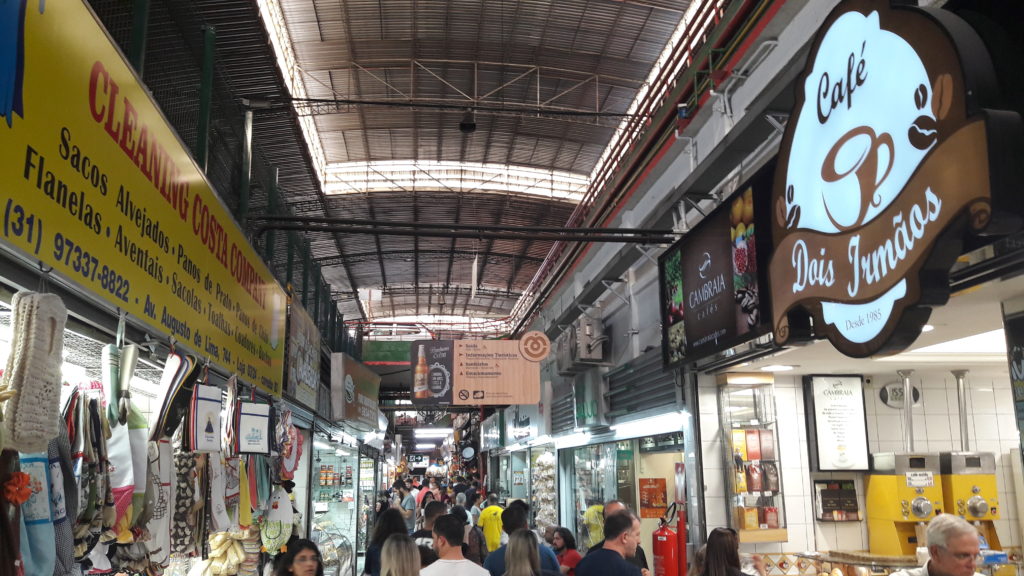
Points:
(543, 489)
(204, 490)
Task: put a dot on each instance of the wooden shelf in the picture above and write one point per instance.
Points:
(770, 535)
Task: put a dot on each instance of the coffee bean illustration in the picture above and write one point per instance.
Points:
(921, 96)
(923, 132)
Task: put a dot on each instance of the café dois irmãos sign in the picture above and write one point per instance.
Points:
(887, 161)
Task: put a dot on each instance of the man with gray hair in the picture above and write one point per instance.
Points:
(953, 547)
(637, 558)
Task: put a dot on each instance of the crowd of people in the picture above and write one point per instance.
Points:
(457, 530)
(434, 535)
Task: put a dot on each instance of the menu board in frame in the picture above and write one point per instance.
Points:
(837, 431)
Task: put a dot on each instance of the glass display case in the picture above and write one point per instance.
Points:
(367, 499)
(596, 474)
(751, 450)
(335, 508)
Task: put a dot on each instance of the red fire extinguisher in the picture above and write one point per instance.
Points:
(670, 545)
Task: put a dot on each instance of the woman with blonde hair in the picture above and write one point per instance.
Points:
(521, 556)
(399, 557)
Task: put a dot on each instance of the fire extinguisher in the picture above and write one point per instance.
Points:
(666, 546)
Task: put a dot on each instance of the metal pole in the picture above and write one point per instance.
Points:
(908, 409)
(289, 275)
(243, 192)
(315, 312)
(140, 30)
(268, 247)
(961, 396)
(305, 276)
(206, 95)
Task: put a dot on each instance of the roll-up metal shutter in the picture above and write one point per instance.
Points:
(563, 406)
(641, 384)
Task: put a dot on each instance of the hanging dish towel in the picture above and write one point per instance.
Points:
(244, 497)
(205, 419)
(138, 431)
(161, 462)
(64, 501)
(176, 384)
(37, 550)
(33, 371)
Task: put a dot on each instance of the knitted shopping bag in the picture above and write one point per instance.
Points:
(33, 371)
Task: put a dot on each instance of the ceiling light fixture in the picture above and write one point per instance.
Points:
(425, 446)
(927, 328)
(468, 123)
(776, 368)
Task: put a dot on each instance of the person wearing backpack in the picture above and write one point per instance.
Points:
(474, 546)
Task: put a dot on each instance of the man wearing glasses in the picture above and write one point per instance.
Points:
(953, 546)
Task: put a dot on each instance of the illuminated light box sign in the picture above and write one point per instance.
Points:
(478, 372)
(837, 431)
(97, 185)
(355, 392)
(711, 280)
(886, 161)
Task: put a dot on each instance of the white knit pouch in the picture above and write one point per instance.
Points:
(37, 343)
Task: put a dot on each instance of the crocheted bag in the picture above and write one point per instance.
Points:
(33, 371)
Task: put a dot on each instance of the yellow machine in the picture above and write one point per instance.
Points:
(969, 490)
(904, 492)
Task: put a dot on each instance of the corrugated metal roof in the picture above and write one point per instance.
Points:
(521, 63)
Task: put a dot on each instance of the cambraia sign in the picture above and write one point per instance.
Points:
(890, 155)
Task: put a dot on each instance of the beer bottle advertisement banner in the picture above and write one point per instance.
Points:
(432, 362)
(478, 372)
(98, 186)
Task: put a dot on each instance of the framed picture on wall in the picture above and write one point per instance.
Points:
(837, 434)
(836, 501)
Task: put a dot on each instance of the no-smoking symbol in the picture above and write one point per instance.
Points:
(534, 346)
(463, 395)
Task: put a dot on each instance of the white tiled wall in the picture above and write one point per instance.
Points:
(991, 428)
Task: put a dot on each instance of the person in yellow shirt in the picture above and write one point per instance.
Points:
(490, 523)
(593, 519)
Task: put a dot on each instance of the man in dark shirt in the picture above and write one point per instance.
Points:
(638, 558)
(425, 535)
(621, 537)
(460, 485)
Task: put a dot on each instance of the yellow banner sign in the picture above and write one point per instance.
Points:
(95, 183)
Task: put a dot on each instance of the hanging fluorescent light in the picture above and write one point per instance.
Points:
(340, 452)
(426, 446)
(432, 432)
(660, 424)
(322, 445)
(572, 440)
(545, 439)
